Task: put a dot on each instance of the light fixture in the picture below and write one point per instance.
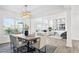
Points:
(25, 13)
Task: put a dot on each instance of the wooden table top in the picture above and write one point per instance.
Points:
(28, 38)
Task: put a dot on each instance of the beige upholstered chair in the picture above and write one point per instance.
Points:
(40, 43)
(15, 43)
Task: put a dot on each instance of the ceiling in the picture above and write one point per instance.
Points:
(36, 10)
(45, 10)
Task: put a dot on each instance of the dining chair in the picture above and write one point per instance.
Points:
(40, 43)
(17, 44)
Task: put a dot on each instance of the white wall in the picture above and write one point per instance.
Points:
(75, 22)
(72, 24)
(3, 38)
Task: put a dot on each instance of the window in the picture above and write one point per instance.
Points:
(13, 24)
(8, 22)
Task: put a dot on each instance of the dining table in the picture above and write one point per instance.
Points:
(28, 38)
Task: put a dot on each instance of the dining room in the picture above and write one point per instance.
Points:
(33, 28)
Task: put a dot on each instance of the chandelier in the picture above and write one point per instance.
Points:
(25, 13)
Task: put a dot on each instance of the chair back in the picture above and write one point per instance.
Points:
(14, 41)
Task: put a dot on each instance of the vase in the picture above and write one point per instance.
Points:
(26, 33)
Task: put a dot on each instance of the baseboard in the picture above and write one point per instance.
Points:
(5, 43)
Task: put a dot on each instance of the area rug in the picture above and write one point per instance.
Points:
(48, 49)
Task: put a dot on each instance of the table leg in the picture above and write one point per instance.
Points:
(28, 46)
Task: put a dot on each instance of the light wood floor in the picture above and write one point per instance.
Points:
(61, 45)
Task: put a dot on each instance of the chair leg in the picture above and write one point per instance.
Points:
(15, 50)
(11, 45)
(45, 49)
(39, 51)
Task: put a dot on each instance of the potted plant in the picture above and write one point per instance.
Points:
(16, 31)
(8, 30)
(26, 29)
